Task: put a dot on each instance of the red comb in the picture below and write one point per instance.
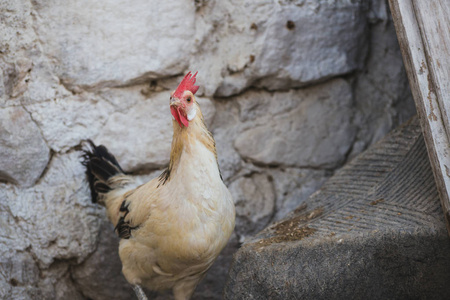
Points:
(186, 84)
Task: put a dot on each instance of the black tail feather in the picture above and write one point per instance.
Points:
(100, 166)
(101, 187)
(103, 169)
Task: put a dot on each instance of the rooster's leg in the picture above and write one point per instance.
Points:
(139, 292)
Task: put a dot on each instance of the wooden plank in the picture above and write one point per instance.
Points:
(434, 25)
(423, 30)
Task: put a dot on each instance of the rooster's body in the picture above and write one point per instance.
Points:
(173, 227)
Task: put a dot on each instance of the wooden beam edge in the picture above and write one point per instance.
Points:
(430, 139)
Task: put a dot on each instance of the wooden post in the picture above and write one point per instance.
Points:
(423, 30)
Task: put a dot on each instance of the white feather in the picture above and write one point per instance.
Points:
(192, 113)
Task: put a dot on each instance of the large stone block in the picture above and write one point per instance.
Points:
(301, 128)
(100, 276)
(26, 75)
(45, 229)
(67, 121)
(23, 151)
(254, 198)
(277, 44)
(95, 44)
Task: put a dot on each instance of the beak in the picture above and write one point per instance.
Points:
(175, 102)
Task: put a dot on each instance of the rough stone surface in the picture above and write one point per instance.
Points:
(50, 225)
(291, 90)
(250, 214)
(115, 43)
(64, 130)
(267, 40)
(25, 75)
(274, 138)
(103, 265)
(382, 86)
(260, 43)
(382, 235)
(23, 151)
(292, 184)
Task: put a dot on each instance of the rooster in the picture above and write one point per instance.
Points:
(173, 227)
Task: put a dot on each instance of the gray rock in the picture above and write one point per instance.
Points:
(225, 128)
(65, 122)
(382, 86)
(317, 132)
(94, 276)
(97, 44)
(260, 44)
(65, 289)
(19, 274)
(23, 152)
(294, 186)
(254, 198)
(15, 47)
(26, 76)
(376, 226)
(50, 225)
(55, 218)
(277, 44)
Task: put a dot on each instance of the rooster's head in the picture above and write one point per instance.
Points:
(182, 100)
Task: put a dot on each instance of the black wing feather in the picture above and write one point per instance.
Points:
(123, 228)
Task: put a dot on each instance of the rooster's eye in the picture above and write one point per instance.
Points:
(188, 99)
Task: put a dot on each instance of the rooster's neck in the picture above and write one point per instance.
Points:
(184, 141)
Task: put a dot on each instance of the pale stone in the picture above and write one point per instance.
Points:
(225, 128)
(254, 199)
(277, 44)
(19, 274)
(95, 275)
(294, 186)
(65, 122)
(26, 76)
(65, 289)
(256, 44)
(55, 217)
(96, 44)
(15, 48)
(23, 151)
(316, 133)
(45, 227)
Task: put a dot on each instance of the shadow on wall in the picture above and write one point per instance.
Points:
(291, 90)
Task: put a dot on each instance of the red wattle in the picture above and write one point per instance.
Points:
(183, 118)
(179, 116)
(174, 113)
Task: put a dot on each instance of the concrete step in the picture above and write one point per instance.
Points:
(374, 231)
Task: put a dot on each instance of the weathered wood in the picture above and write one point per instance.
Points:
(433, 18)
(423, 30)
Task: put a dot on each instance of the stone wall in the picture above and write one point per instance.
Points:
(291, 89)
